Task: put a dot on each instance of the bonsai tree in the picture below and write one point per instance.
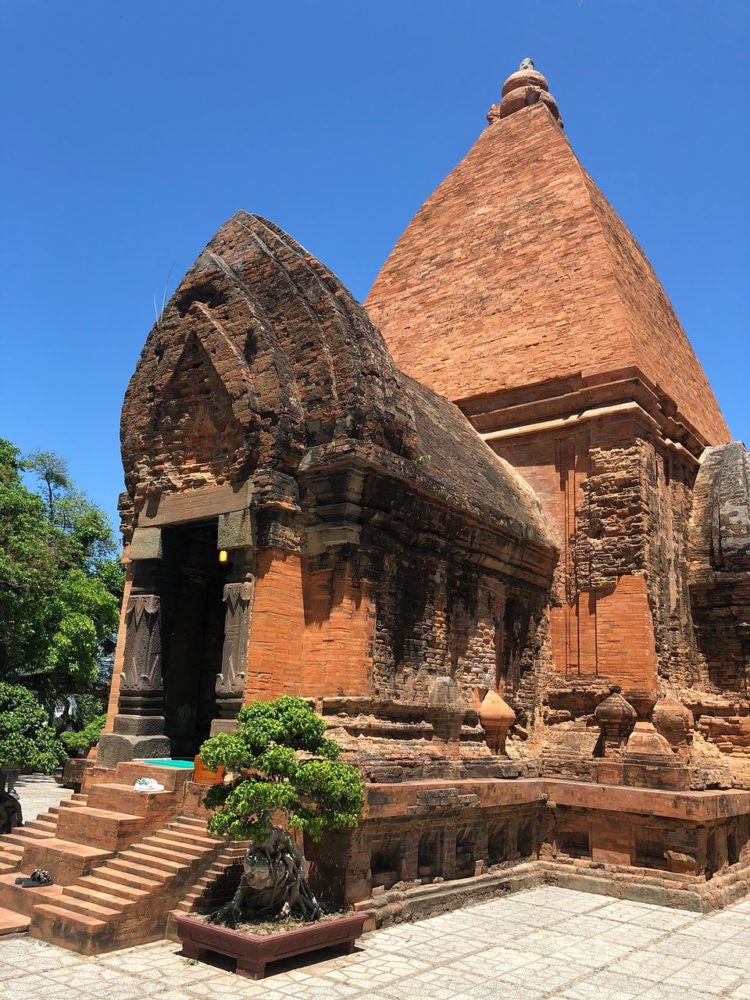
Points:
(278, 764)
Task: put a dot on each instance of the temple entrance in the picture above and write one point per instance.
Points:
(193, 634)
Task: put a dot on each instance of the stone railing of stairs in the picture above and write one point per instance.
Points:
(121, 859)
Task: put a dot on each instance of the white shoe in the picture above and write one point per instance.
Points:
(148, 785)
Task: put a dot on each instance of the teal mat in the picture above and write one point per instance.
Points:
(167, 762)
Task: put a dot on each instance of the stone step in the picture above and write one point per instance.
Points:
(54, 912)
(23, 835)
(87, 907)
(100, 883)
(127, 772)
(43, 825)
(109, 900)
(137, 866)
(188, 838)
(153, 861)
(21, 899)
(115, 796)
(13, 923)
(105, 829)
(169, 849)
(190, 821)
(65, 859)
(129, 879)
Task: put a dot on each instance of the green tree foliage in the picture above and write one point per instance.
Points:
(26, 738)
(86, 738)
(283, 763)
(60, 585)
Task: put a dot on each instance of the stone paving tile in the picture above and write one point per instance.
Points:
(648, 965)
(596, 955)
(668, 991)
(625, 911)
(546, 944)
(502, 991)
(684, 946)
(543, 974)
(666, 920)
(706, 977)
(631, 935)
(587, 925)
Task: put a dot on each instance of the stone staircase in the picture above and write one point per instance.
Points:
(120, 859)
(126, 900)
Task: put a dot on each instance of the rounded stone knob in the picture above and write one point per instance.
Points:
(496, 717)
(524, 87)
(674, 721)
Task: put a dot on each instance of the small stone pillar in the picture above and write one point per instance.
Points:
(236, 537)
(410, 856)
(230, 683)
(616, 718)
(138, 729)
(445, 712)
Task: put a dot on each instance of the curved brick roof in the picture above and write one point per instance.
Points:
(517, 271)
(263, 363)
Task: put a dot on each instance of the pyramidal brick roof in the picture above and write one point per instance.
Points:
(517, 271)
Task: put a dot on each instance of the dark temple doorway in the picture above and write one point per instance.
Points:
(193, 633)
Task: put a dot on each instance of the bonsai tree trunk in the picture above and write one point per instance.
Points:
(272, 885)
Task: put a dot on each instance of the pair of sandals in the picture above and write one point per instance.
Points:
(148, 785)
(39, 877)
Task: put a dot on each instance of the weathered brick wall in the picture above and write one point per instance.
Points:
(434, 619)
(621, 503)
(719, 563)
(669, 482)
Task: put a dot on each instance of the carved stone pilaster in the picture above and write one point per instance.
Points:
(141, 688)
(138, 729)
(230, 683)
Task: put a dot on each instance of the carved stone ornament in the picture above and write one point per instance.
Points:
(142, 666)
(616, 718)
(230, 683)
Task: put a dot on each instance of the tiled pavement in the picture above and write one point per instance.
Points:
(543, 943)
(37, 792)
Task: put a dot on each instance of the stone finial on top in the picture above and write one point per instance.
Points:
(524, 87)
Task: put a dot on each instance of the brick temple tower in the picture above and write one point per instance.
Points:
(539, 659)
(517, 292)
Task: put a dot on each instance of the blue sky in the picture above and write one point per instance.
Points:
(132, 131)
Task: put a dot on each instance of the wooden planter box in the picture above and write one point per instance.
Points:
(252, 952)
